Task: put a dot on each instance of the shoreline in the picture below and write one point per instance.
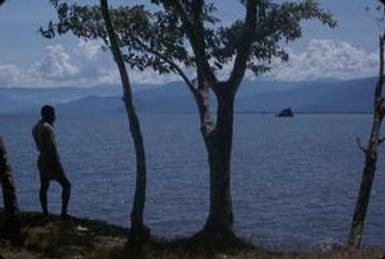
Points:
(52, 237)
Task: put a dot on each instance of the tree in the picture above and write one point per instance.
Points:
(185, 36)
(12, 223)
(138, 231)
(11, 209)
(370, 151)
(250, 43)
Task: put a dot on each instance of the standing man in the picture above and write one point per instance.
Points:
(48, 162)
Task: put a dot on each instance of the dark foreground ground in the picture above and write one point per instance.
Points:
(79, 238)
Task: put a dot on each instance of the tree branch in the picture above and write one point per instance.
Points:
(201, 96)
(181, 9)
(114, 47)
(381, 108)
(380, 82)
(379, 99)
(244, 45)
(195, 32)
(179, 70)
(358, 140)
(205, 77)
(197, 9)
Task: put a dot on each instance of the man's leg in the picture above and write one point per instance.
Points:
(66, 193)
(44, 185)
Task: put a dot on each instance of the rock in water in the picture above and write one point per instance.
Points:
(288, 112)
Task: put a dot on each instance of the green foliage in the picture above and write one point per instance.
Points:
(140, 33)
(379, 8)
(276, 24)
(159, 40)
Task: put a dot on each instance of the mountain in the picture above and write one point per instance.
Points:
(326, 96)
(14, 100)
(353, 96)
(91, 104)
(24, 100)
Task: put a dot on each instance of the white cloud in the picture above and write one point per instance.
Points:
(56, 65)
(100, 67)
(108, 76)
(326, 59)
(9, 75)
(88, 65)
(152, 77)
(89, 49)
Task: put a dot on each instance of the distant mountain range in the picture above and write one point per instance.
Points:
(326, 96)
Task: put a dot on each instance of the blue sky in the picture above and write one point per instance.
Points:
(27, 59)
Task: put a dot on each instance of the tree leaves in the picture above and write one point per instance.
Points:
(148, 39)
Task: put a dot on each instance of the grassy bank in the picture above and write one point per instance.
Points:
(78, 238)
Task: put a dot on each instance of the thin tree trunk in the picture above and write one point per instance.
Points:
(12, 224)
(361, 207)
(138, 232)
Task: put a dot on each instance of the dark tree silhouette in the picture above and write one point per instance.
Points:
(138, 232)
(250, 43)
(186, 36)
(12, 223)
(370, 152)
(11, 209)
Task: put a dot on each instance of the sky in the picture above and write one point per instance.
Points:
(28, 60)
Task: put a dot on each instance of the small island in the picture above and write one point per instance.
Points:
(288, 112)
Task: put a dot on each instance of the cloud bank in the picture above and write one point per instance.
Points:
(326, 59)
(87, 65)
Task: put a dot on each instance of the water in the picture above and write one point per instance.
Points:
(294, 181)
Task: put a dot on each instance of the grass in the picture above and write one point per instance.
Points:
(79, 238)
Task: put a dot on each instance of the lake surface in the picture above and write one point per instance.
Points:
(294, 181)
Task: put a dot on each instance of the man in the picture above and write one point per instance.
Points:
(48, 162)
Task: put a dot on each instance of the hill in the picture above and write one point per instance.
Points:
(331, 96)
(354, 96)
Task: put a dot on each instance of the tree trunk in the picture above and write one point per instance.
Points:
(138, 232)
(12, 223)
(361, 207)
(357, 226)
(219, 145)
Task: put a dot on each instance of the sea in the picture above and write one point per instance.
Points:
(294, 180)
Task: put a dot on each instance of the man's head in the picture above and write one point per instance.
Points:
(48, 114)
